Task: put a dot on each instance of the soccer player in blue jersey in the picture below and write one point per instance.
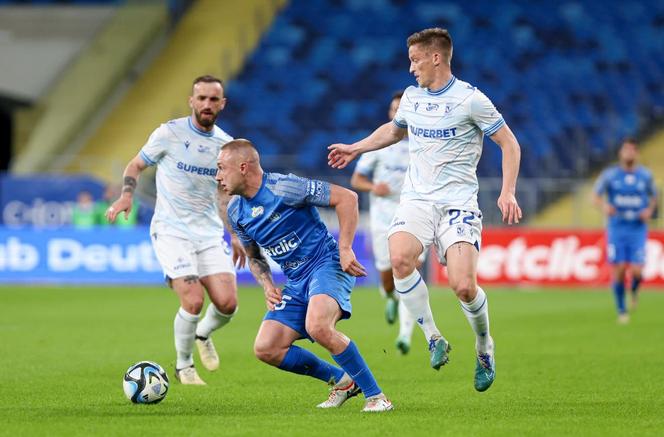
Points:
(626, 195)
(278, 213)
(446, 120)
(186, 229)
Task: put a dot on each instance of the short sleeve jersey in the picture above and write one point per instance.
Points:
(629, 192)
(186, 160)
(446, 129)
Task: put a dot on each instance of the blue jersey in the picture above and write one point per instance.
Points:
(629, 192)
(282, 219)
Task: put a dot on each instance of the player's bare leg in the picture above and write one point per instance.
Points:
(190, 291)
(405, 250)
(462, 272)
(387, 288)
(274, 346)
(322, 315)
(222, 289)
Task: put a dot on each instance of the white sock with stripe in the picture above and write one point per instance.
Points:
(477, 313)
(414, 294)
(184, 328)
(212, 320)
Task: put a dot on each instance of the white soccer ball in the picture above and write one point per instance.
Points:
(145, 383)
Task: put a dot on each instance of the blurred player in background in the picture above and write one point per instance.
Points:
(381, 173)
(278, 213)
(186, 228)
(626, 194)
(446, 120)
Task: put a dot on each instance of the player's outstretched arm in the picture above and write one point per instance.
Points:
(507, 203)
(344, 202)
(260, 268)
(342, 154)
(129, 182)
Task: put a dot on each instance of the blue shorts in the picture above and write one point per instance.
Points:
(326, 278)
(627, 247)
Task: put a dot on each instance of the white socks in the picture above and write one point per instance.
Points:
(184, 328)
(477, 313)
(213, 319)
(414, 294)
(406, 321)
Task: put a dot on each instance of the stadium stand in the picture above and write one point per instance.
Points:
(571, 78)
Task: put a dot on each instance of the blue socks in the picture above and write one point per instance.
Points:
(635, 284)
(303, 362)
(352, 362)
(619, 294)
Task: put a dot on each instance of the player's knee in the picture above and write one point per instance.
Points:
(192, 303)
(227, 305)
(266, 352)
(402, 265)
(465, 289)
(320, 332)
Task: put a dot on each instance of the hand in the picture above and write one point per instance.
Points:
(122, 204)
(381, 189)
(646, 214)
(340, 155)
(272, 296)
(350, 264)
(239, 254)
(509, 208)
(609, 209)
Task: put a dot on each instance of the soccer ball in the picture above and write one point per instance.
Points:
(145, 383)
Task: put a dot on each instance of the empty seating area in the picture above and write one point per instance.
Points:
(571, 78)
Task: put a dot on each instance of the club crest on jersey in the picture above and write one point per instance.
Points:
(448, 108)
(203, 149)
(432, 106)
(256, 211)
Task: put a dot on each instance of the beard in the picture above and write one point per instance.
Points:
(206, 122)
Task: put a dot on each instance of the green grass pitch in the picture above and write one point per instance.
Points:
(564, 367)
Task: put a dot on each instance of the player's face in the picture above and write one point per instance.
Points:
(628, 153)
(421, 65)
(206, 102)
(229, 173)
(393, 108)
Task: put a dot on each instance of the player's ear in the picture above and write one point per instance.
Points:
(191, 102)
(223, 103)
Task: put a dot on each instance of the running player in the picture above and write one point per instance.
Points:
(278, 213)
(626, 194)
(446, 120)
(186, 228)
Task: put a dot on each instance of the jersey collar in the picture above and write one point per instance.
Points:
(193, 127)
(443, 89)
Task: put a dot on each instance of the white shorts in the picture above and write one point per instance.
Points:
(381, 250)
(180, 257)
(442, 226)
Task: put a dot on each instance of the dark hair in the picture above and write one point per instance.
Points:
(630, 140)
(434, 37)
(207, 79)
(397, 94)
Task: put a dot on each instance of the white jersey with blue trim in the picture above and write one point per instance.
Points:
(389, 166)
(186, 160)
(445, 133)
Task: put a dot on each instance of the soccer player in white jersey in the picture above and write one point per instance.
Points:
(446, 120)
(186, 229)
(381, 173)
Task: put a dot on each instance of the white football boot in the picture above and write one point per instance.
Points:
(188, 376)
(377, 404)
(340, 393)
(208, 354)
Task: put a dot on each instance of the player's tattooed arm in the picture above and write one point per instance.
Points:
(261, 270)
(129, 184)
